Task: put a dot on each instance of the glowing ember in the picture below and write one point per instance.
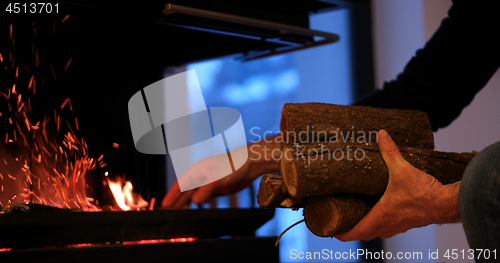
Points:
(182, 239)
(43, 164)
(140, 242)
(124, 196)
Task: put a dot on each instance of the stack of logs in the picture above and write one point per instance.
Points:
(331, 165)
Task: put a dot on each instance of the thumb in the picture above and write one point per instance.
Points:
(389, 149)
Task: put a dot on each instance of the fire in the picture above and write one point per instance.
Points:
(43, 160)
(124, 196)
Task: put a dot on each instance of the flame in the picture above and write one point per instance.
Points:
(124, 196)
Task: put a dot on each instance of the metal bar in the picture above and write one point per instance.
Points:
(63, 228)
(282, 28)
(319, 43)
(239, 249)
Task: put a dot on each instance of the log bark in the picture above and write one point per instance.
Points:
(272, 193)
(322, 169)
(320, 122)
(326, 216)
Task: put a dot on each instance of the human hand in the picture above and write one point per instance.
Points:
(204, 170)
(263, 157)
(412, 199)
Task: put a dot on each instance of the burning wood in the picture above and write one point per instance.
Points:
(125, 198)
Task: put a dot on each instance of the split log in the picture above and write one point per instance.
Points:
(272, 193)
(326, 216)
(322, 169)
(320, 122)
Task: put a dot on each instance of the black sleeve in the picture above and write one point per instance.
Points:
(458, 60)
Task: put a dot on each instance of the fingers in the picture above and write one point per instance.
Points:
(171, 196)
(184, 199)
(389, 149)
(368, 226)
(204, 193)
(176, 199)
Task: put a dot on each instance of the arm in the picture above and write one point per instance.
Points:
(263, 157)
(443, 77)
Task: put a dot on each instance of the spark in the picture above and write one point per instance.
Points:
(76, 124)
(24, 65)
(64, 103)
(37, 59)
(64, 19)
(20, 107)
(67, 65)
(27, 124)
(31, 82)
(116, 145)
(60, 173)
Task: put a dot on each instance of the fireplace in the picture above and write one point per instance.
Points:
(99, 55)
(151, 236)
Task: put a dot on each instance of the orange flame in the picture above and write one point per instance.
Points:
(124, 196)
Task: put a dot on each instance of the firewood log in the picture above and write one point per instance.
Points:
(320, 122)
(272, 193)
(322, 169)
(326, 216)
(331, 164)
